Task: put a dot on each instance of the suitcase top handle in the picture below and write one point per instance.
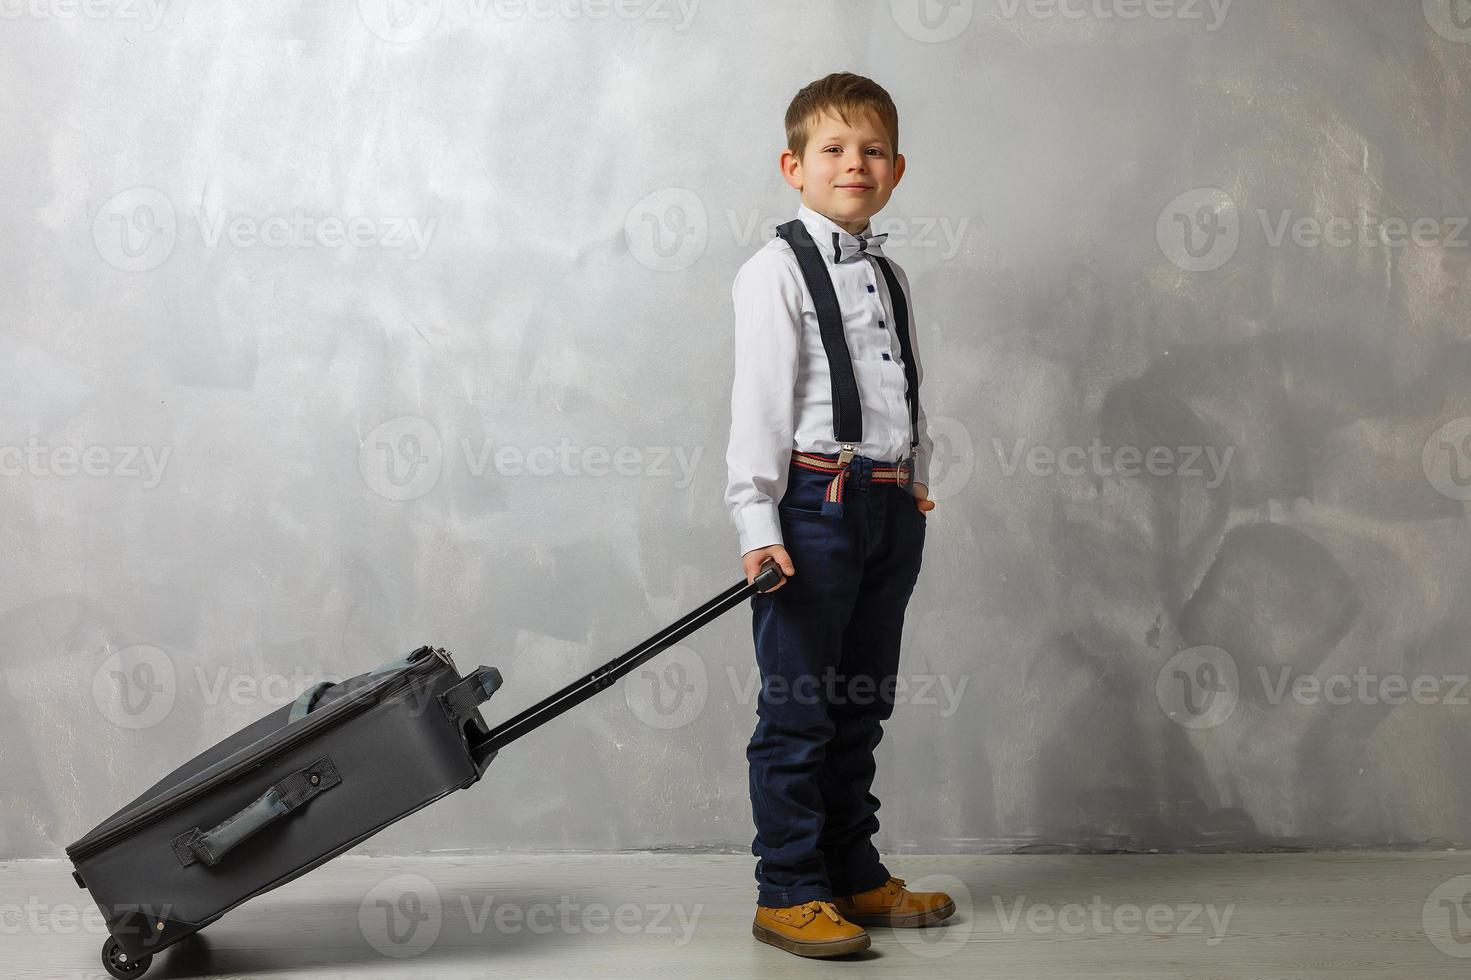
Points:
(308, 698)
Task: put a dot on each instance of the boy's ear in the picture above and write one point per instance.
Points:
(898, 168)
(791, 168)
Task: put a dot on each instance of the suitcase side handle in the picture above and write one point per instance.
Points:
(279, 801)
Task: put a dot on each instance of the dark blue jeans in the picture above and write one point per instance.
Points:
(827, 644)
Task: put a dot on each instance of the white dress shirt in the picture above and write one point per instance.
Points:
(782, 398)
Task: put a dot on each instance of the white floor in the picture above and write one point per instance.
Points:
(1339, 915)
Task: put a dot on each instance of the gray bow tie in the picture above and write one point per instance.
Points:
(846, 248)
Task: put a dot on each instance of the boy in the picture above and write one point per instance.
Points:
(828, 464)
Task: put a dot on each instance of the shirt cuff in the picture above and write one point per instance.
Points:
(758, 525)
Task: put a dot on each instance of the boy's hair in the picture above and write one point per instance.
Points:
(842, 93)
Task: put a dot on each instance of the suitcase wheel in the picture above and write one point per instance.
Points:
(119, 964)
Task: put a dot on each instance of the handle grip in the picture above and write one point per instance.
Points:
(769, 576)
(278, 801)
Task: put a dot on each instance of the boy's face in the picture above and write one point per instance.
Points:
(846, 172)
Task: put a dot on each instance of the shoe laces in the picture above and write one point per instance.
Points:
(826, 907)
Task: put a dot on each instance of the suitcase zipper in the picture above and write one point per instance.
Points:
(299, 731)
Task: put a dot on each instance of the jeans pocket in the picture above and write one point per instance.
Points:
(805, 493)
(793, 508)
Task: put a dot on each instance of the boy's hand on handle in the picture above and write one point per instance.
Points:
(752, 560)
(922, 497)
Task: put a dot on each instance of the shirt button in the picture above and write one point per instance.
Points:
(881, 323)
(887, 357)
(870, 287)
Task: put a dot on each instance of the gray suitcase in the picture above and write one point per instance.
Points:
(311, 780)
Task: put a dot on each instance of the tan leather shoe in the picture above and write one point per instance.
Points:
(891, 904)
(810, 929)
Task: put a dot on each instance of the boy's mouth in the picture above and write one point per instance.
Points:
(855, 187)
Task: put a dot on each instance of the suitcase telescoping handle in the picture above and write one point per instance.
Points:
(585, 687)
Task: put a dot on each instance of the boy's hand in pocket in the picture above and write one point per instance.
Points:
(922, 497)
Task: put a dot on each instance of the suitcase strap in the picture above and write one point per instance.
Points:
(277, 802)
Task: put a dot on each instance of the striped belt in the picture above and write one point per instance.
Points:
(900, 474)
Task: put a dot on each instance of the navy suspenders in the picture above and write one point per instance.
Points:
(847, 412)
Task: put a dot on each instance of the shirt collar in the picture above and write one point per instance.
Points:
(822, 229)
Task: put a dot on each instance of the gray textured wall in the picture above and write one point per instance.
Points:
(332, 330)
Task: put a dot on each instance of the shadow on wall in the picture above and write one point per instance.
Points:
(1316, 557)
